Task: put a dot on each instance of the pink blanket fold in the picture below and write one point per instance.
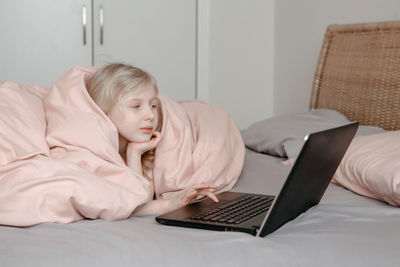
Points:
(200, 143)
(59, 159)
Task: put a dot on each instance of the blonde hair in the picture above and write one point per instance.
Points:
(109, 83)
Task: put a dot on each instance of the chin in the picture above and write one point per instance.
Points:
(141, 139)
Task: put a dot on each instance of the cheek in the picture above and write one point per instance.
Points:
(156, 119)
(128, 124)
(121, 126)
(120, 120)
(117, 118)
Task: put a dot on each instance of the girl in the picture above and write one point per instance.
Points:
(128, 96)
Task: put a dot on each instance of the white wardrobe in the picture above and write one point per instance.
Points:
(40, 40)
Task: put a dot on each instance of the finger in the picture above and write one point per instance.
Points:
(204, 186)
(156, 134)
(193, 194)
(190, 197)
(157, 137)
(210, 195)
(197, 186)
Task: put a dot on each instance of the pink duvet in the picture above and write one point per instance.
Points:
(59, 159)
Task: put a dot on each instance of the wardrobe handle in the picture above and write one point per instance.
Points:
(84, 23)
(101, 21)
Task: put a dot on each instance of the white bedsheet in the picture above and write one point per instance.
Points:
(344, 230)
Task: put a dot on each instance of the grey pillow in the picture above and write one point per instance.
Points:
(368, 130)
(283, 135)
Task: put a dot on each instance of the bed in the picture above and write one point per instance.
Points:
(358, 74)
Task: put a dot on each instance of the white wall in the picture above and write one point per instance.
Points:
(241, 58)
(299, 30)
(263, 53)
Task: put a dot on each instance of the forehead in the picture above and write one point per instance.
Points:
(141, 92)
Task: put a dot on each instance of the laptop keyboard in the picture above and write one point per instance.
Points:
(238, 210)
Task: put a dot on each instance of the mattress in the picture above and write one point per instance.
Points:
(345, 229)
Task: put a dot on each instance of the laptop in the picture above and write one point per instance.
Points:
(260, 215)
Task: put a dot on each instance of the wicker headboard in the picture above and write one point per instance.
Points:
(358, 73)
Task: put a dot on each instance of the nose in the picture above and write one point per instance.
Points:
(149, 114)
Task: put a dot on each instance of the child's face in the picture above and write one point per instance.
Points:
(136, 114)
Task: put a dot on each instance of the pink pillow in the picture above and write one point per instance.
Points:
(371, 167)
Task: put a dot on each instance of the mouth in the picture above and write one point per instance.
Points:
(147, 130)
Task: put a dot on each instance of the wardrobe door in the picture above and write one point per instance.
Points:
(156, 35)
(42, 39)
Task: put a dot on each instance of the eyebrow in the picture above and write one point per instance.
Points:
(141, 99)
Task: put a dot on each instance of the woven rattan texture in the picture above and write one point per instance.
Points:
(358, 73)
